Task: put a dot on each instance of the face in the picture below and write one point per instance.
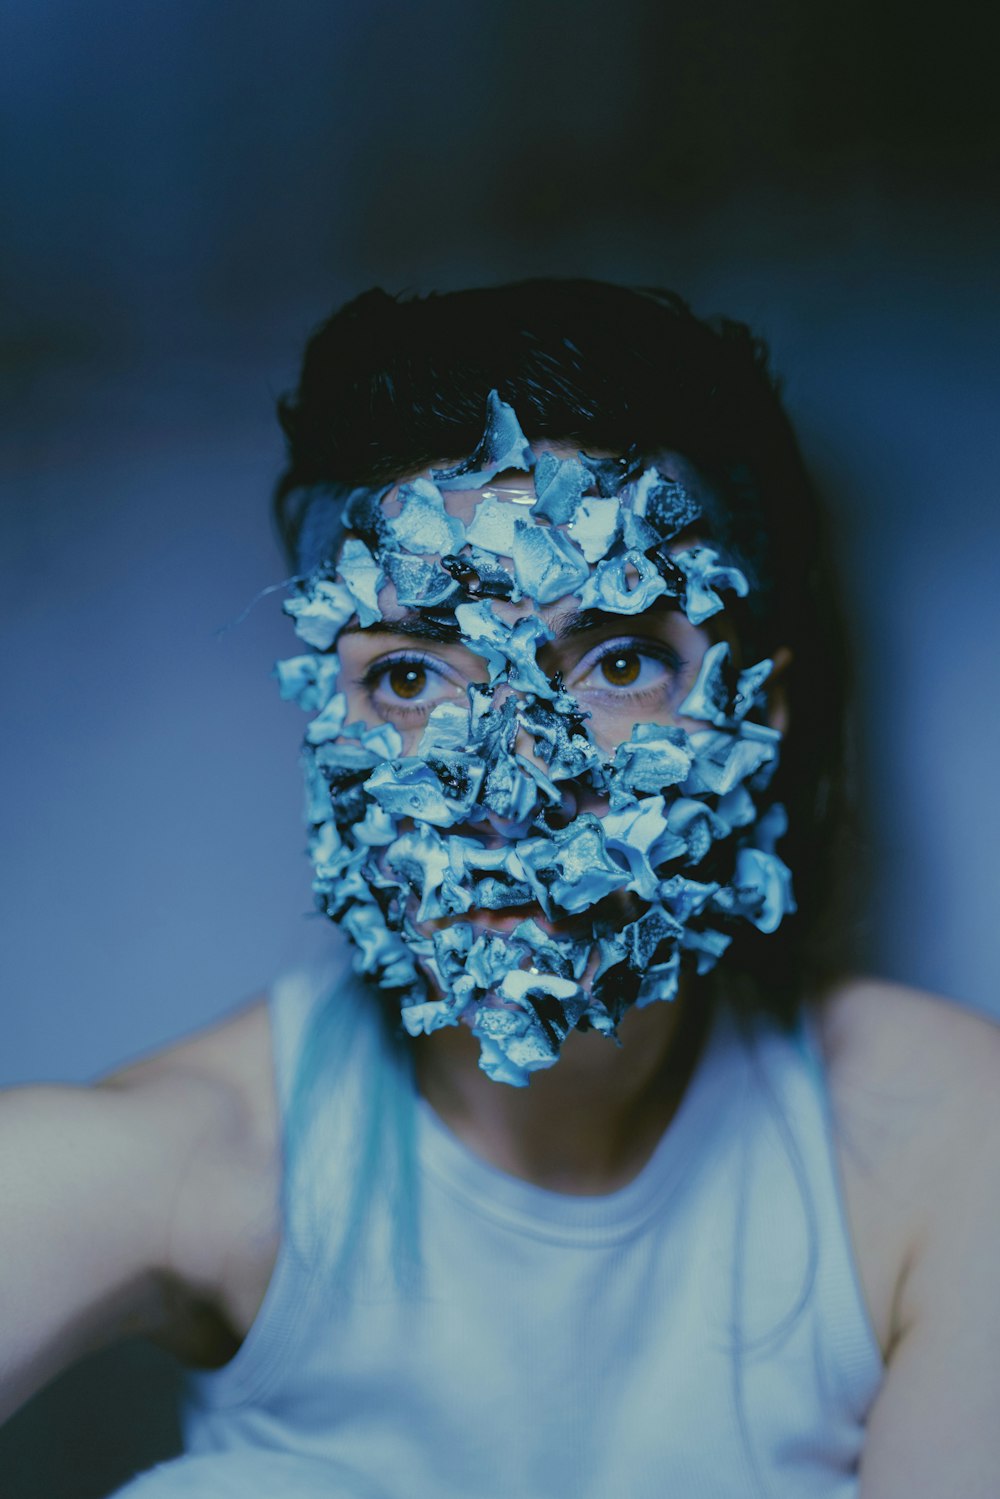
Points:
(535, 761)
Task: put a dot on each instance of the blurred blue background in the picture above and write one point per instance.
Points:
(188, 188)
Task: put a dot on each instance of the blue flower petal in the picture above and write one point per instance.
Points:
(610, 588)
(654, 757)
(418, 584)
(362, 576)
(308, 680)
(502, 446)
(560, 484)
(664, 504)
(547, 564)
(320, 612)
(595, 526)
(705, 575)
(423, 525)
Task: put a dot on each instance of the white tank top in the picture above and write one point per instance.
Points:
(584, 1347)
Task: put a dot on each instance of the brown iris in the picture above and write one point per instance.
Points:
(407, 679)
(621, 668)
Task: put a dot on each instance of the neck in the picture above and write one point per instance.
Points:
(586, 1126)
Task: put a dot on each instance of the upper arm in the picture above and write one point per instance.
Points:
(935, 1426)
(80, 1173)
(98, 1188)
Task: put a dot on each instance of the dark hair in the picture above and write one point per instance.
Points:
(390, 385)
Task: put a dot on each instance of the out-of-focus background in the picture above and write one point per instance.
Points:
(187, 189)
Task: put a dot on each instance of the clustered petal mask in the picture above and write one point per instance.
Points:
(404, 846)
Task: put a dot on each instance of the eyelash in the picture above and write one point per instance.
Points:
(657, 650)
(378, 670)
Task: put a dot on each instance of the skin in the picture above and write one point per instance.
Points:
(588, 1124)
(150, 1202)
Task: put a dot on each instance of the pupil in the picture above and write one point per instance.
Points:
(407, 679)
(621, 670)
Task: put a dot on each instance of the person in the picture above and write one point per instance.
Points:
(585, 1168)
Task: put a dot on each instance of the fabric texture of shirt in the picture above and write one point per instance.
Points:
(699, 1332)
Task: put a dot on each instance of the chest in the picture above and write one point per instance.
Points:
(548, 1362)
(873, 1161)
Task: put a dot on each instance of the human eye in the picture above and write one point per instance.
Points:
(407, 685)
(629, 667)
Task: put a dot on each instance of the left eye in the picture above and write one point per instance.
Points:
(627, 667)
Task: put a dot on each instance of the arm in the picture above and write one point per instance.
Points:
(78, 1233)
(935, 1426)
(96, 1240)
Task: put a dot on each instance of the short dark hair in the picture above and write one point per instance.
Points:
(390, 385)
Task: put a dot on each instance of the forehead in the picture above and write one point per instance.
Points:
(518, 485)
(506, 505)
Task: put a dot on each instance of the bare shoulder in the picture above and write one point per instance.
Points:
(231, 1058)
(224, 1221)
(915, 1087)
(938, 1060)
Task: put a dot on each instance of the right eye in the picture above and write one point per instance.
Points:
(410, 685)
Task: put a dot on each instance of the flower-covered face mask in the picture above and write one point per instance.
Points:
(533, 776)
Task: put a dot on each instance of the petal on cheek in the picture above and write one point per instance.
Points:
(568, 915)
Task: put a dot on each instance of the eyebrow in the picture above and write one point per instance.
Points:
(421, 624)
(417, 623)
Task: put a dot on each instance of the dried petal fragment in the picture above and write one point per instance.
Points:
(560, 484)
(362, 576)
(309, 681)
(320, 612)
(547, 564)
(502, 446)
(705, 575)
(423, 525)
(611, 588)
(418, 584)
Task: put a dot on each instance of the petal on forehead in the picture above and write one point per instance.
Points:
(419, 584)
(595, 526)
(560, 484)
(547, 564)
(423, 525)
(503, 445)
(493, 526)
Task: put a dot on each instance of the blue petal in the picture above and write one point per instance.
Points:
(329, 723)
(423, 525)
(608, 586)
(320, 612)
(560, 484)
(502, 446)
(664, 504)
(493, 525)
(547, 565)
(705, 575)
(363, 577)
(654, 757)
(572, 866)
(418, 585)
(443, 793)
(723, 761)
(595, 526)
(308, 680)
